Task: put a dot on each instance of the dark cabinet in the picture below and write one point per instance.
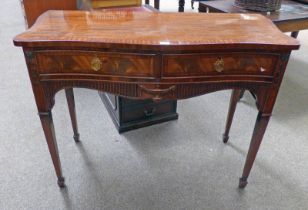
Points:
(128, 114)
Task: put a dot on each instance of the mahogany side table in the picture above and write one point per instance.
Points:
(157, 61)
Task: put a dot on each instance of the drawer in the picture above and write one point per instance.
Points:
(147, 110)
(219, 64)
(122, 64)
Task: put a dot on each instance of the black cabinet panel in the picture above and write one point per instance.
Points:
(128, 114)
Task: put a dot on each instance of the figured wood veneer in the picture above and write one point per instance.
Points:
(34, 8)
(148, 56)
(234, 64)
(80, 62)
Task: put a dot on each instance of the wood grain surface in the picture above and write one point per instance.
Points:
(293, 16)
(154, 31)
(34, 8)
(150, 56)
(109, 63)
(237, 63)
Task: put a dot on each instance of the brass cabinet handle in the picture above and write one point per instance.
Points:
(96, 64)
(219, 65)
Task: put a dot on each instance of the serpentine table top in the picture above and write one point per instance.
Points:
(143, 31)
(147, 55)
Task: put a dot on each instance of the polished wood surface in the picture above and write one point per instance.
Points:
(237, 63)
(97, 29)
(293, 16)
(115, 3)
(109, 63)
(34, 8)
(67, 49)
(235, 96)
(72, 110)
(95, 4)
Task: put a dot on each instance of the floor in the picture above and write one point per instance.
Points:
(176, 165)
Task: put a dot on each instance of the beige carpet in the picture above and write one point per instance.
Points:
(177, 165)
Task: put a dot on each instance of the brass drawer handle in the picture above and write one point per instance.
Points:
(96, 64)
(219, 65)
(157, 91)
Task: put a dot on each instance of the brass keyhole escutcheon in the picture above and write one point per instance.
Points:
(96, 64)
(219, 65)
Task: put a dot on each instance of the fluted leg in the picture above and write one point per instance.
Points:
(72, 110)
(49, 131)
(235, 96)
(259, 130)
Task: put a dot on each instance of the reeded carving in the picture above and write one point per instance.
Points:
(152, 91)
